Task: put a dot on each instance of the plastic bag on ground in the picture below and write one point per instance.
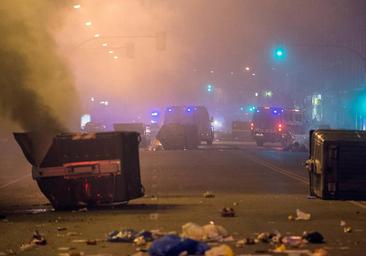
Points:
(210, 231)
(300, 215)
(193, 231)
(214, 232)
(173, 245)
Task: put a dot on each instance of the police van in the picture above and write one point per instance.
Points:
(196, 116)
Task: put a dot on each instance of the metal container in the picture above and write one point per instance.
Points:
(337, 164)
(87, 169)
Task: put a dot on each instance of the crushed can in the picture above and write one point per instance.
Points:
(336, 164)
(84, 169)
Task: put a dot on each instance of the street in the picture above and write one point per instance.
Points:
(264, 185)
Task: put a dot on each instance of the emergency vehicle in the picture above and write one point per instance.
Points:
(276, 124)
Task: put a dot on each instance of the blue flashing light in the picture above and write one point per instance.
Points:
(277, 111)
(189, 109)
(170, 110)
(155, 114)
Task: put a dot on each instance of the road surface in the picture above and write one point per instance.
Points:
(263, 185)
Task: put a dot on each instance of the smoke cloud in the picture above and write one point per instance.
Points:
(36, 87)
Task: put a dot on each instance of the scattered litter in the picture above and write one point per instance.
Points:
(240, 243)
(292, 241)
(320, 252)
(79, 241)
(214, 232)
(25, 247)
(342, 223)
(280, 248)
(227, 212)
(313, 237)
(9, 252)
(235, 204)
(222, 250)
(265, 237)
(61, 228)
(209, 232)
(208, 194)
(154, 216)
(91, 242)
(300, 215)
(124, 236)
(143, 238)
(193, 231)
(298, 252)
(72, 234)
(311, 197)
(347, 229)
(174, 245)
(38, 238)
(249, 241)
(72, 254)
(291, 217)
(65, 249)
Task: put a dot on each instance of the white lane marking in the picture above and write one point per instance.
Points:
(360, 204)
(281, 170)
(294, 176)
(15, 181)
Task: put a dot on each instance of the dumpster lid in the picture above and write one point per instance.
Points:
(46, 150)
(340, 135)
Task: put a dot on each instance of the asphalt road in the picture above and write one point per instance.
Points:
(263, 185)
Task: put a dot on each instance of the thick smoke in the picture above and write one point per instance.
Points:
(36, 88)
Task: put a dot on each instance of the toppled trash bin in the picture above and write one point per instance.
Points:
(88, 169)
(336, 164)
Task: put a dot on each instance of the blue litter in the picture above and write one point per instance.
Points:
(173, 245)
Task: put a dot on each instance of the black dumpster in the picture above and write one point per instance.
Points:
(88, 169)
(337, 164)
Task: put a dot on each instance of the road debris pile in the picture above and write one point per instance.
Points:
(208, 240)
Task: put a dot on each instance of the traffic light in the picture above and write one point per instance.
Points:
(251, 108)
(279, 53)
(210, 88)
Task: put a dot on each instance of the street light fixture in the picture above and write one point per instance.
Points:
(77, 6)
(88, 23)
